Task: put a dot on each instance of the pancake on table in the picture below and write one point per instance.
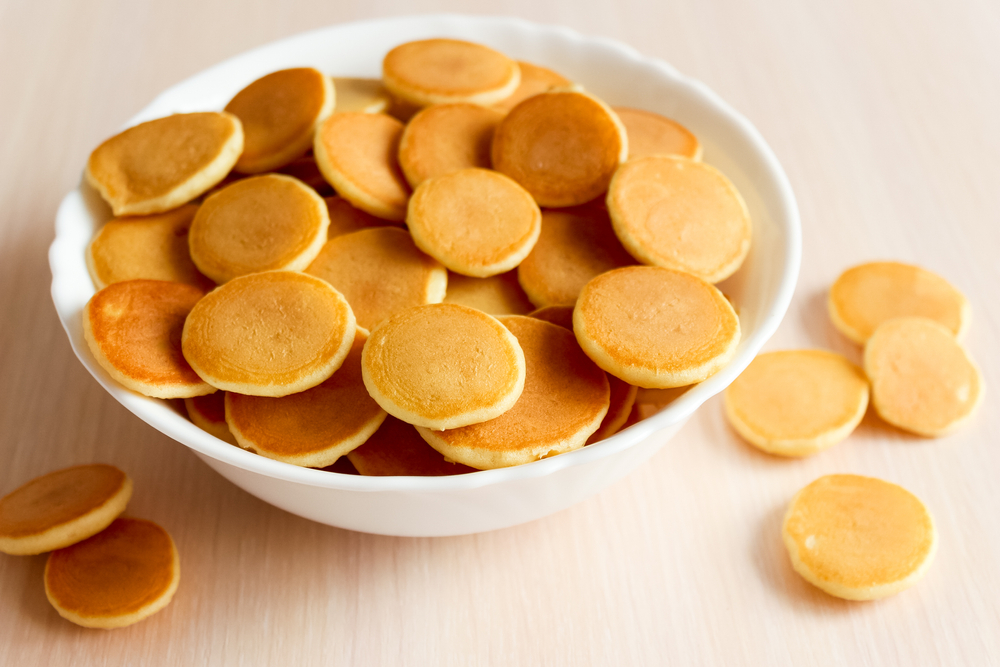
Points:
(133, 329)
(345, 218)
(161, 164)
(269, 334)
(397, 449)
(209, 414)
(360, 95)
(497, 295)
(280, 112)
(564, 400)
(534, 80)
(264, 223)
(680, 214)
(447, 137)
(61, 508)
(380, 271)
(652, 134)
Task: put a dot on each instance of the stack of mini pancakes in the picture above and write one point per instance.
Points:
(471, 263)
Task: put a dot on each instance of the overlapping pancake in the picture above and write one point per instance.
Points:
(620, 403)
(209, 414)
(447, 137)
(497, 295)
(559, 315)
(306, 170)
(652, 134)
(345, 218)
(534, 80)
(397, 449)
(360, 95)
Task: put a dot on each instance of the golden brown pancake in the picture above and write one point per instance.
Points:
(475, 221)
(859, 538)
(161, 164)
(562, 146)
(380, 271)
(314, 427)
(443, 366)
(360, 95)
(866, 295)
(558, 315)
(118, 577)
(922, 379)
(447, 137)
(564, 400)
(622, 398)
(397, 449)
(269, 334)
(574, 246)
(209, 414)
(345, 218)
(680, 214)
(133, 329)
(797, 402)
(534, 80)
(438, 71)
(357, 154)
(266, 223)
(306, 170)
(660, 397)
(280, 112)
(496, 295)
(652, 134)
(61, 508)
(655, 327)
(153, 247)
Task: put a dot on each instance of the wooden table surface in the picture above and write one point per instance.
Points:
(885, 116)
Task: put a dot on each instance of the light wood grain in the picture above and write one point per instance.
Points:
(884, 115)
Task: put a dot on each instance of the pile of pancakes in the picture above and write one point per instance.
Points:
(472, 252)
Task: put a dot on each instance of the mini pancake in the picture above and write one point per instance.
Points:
(264, 223)
(357, 154)
(345, 218)
(655, 327)
(680, 214)
(866, 295)
(360, 95)
(534, 80)
(660, 397)
(439, 71)
(280, 112)
(306, 170)
(402, 111)
(341, 466)
(118, 577)
(652, 134)
(574, 246)
(559, 315)
(153, 247)
(445, 138)
(397, 449)
(61, 508)
(922, 379)
(562, 146)
(314, 427)
(209, 414)
(443, 366)
(859, 538)
(496, 295)
(797, 402)
(380, 271)
(620, 403)
(161, 164)
(475, 221)
(565, 398)
(133, 329)
(269, 334)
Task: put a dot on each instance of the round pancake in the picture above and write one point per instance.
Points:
(133, 329)
(797, 402)
(357, 154)
(534, 80)
(438, 71)
(660, 397)
(866, 295)
(280, 112)
(360, 95)
(306, 170)
(558, 315)
(922, 379)
(652, 134)
(562, 146)
(380, 271)
(269, 334)
(445, 138)
(574, 246)
(209, 414)
(496, 295)
(153, 247)
(443, 366)
(118, 577)
(61, 508)
(564, 400)
(397, 449)
(621, 401)
(345, 218)
(680, 214)
(161, 164)
(475, 221)
(314, 427)
(859, 538)
(655, 327)
(265, 223)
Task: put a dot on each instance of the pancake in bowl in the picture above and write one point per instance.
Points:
(534, 80)
(345, 218)
(497, 295)
(397, 449)
(652, 134)
(360, 95)
(208, 413)
(447, 137)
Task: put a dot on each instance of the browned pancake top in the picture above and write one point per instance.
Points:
(652, 134)
(534, 80)
(436, 70)
(447, 137)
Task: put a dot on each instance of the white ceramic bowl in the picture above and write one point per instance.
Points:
(487, 500)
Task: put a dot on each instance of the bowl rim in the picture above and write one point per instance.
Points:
(786, 216)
